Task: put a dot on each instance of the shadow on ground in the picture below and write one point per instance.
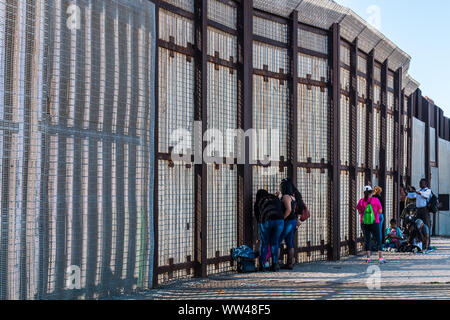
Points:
(405, 276)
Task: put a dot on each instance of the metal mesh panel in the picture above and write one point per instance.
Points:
(377, 73)
(222, 112)
(312, 41)
(383, 49)
(222, 214)
(73, 143)
(405, 149)
(270, 112)
(314, 186)
(187, 5)
(376, 137)
(390, 81)
(267, 178)
(345, 79)
(176, 27)
(279, 7)
(176, 218)
(320, 13)
(376, 94)
(360, 179)
(270, 29)
(313, 131)
(362, 87)
(176, 111)
(389, 210)
(390, 101)
(223, 44)
(269, 57)
(351, 26)
(316, 67)
(344, 210)
(176, 97)
(222, 180)
(222, 13)
(345, 55)
(390, 142)
(361, 134)
(345, 130)
(362, 64)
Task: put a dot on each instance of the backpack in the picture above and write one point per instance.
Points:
(245, 258)
(270, 206)
(433, 203)
(368, 215)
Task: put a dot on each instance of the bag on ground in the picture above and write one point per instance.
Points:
(245, 259)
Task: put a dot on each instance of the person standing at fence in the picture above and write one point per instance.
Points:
(290, 219)
(377, 194)
(423, 196)
(369, 209)
(269, 215)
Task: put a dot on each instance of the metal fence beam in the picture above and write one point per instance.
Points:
(334, 218)
(154, 276)
(398, 97)
(201, 114)
(354, 129)
(370, 115)
(293, 146)
(245, 87)
(383, 133)
(427, 119)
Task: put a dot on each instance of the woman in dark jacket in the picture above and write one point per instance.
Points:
(269, 215)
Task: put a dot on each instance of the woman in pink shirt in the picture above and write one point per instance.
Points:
(371, 229)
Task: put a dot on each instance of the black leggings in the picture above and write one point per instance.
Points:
(374, 230)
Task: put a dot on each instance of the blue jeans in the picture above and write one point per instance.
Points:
(381, 226)
(288, 233)
(270, 232)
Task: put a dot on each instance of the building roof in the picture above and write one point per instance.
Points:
(324, 13)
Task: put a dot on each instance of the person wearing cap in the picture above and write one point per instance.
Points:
(371, 229)
(422, 198)
(377, 194)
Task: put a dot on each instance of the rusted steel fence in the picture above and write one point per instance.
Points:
(98, 198)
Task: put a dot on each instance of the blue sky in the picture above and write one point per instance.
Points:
(421, 29)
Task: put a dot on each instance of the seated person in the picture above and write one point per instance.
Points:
(425, 231)
(393, 235)
(415, 238)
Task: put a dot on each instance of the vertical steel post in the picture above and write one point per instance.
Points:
(154, 280)
(426, 118)
(353, 143)
(411, 107)
(397, 144)
(294, 106)
(383, 133)
(245, 87)
(201, 115)
(369, 118)
(334, 218)
(402, 137)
